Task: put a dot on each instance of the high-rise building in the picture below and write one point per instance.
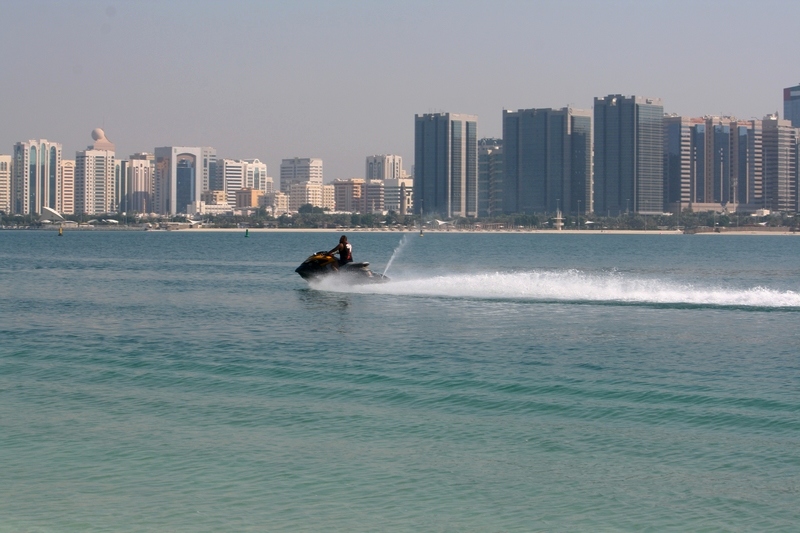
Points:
(397, 194)
(490, 177)
(95, 177)
(209, 156)
(547, 160)
(628, 155)
(328, 198)
(230, 177)
(300, 170)
(143, 156)
(141, 180)
(235, 174)
(276, 202)
(712, 163)
(406, 199)
(678, 183)
(66, 200)
(34, 181)
(122, 184)
(712, 160)
(305, 192)
(780, 141)
(733, 166)
(384, 167)
(248, 197)
(388, 170)
(348, 194)
(134, 181)
(256, 176)
(181, 174)
(5, 183)
(747, 164)
(214, 198)
(373, 197)
(791, 105)
(446, 164)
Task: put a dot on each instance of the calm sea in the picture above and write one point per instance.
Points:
(179, 381)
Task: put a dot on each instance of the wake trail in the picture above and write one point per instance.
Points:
(577, 286)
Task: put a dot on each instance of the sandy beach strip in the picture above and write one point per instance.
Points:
(782, 231)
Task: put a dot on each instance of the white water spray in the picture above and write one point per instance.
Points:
(397, 251)
(577, 286)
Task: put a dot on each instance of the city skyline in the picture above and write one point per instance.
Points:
(703, 161)
(160, 74)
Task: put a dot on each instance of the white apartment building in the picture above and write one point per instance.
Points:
(5, 183)
(141, 180)
(231, 177)
(34, 178)
(348, 194)
(95, 183)
(300, 170)
(202, 208)
(234, 175)
(256, 176)
(393, 192)
(373, 197)
(277, 202)
(384, 167)
(304, 193)
(66, 198)
(328, 197)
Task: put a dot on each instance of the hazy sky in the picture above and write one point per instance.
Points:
(343, 79)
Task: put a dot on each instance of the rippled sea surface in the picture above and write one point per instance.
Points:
(179, 381)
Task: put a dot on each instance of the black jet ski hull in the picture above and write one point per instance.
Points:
(321, 265)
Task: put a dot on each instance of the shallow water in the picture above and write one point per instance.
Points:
(500, 382)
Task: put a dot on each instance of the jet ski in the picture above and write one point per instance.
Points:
(323, 264)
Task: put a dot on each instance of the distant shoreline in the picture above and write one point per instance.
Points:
(736, 231)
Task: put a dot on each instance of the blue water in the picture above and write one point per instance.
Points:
(179, 381)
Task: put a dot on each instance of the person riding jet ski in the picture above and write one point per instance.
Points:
(345, 251)
(323, 264)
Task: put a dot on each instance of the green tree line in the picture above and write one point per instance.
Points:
(314, 217)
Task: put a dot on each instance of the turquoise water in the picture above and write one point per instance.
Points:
(177, 381)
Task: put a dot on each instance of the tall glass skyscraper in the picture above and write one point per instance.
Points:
(446, 164)
(547, 156)
(747, 163)
(712, 163)
(628, 155)
(181, 173)
(712, 143)
(791, 105)
(678, 182)
(34, 182)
